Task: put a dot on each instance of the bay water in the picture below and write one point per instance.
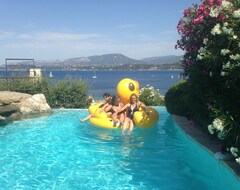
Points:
(107, 81)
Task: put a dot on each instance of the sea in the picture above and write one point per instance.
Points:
(106, 81)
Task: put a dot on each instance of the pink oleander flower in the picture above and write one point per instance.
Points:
(202, 22)
(210, 38)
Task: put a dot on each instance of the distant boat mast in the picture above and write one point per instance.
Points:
(94, 74)
(50, 74)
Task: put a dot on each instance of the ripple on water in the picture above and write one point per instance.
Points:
(59, 152)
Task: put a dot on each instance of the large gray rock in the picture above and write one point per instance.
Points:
(8, 97)
(34, 104)
(15, 105)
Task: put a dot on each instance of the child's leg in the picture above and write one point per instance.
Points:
(121, 117)
(125, 125)
(131, 127)
(86, 118)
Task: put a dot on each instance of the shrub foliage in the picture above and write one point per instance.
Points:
(176, 99)
(151, 96)
(210, 38)
(67, 93)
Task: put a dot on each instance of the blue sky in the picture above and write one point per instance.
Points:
(62, 29)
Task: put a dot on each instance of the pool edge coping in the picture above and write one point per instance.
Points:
(211, 145)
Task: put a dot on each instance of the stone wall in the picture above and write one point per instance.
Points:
(15, 106)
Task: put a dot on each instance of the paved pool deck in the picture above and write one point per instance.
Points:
(211, 144)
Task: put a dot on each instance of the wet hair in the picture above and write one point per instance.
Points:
(106, 94)
(114, 101)
(132, 96)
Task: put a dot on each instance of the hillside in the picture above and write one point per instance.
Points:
(170, 59)
(106, 61)
(96, 60)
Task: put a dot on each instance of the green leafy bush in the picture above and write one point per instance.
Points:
(210, 37)
(151, 96)
(30, 86)
(176, 99)
(67, 93)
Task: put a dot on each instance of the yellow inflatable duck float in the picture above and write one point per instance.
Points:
(125, 88)
(100, 119)
(144, 118)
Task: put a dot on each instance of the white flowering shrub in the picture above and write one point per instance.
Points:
(217, 127)
(210, 38)
(151, 96)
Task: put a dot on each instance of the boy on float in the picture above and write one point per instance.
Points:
(106, 102)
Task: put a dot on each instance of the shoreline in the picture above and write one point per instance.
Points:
(211, 145)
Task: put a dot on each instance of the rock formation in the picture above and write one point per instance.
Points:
(15, 106)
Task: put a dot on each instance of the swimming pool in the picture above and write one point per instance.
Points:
(59, 152)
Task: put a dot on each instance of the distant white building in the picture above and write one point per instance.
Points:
(35, 73)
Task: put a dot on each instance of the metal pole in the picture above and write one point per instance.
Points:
(6, 73)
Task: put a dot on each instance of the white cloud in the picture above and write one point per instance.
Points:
(56, 36)
(63, 45)
(6, 35)
(46, 36)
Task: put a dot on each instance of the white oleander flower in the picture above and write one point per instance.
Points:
(224, 52)
(202, 50)
(226, 4)
(210, 129)
(235, 57)
(236, 14)
(199, 57)
(225, 24)
(202, 53)
(214, 12)
(216, 29)
(162, 97)
(205, 41)
(218, 124)
(234, 151)
(227, 65)
(234, 37)
(228, 30)
(238, 160)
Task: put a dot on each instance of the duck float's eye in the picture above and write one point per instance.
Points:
(131, 86)
(125, 88)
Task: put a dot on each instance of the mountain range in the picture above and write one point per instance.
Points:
(109, 59)
(113, 61)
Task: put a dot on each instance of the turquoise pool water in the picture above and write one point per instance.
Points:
(59, 152)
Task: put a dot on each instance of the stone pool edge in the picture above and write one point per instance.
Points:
(211, 145)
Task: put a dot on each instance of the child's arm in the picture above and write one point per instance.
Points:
(104, 107)
(123, 108)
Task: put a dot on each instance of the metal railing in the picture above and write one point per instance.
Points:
(9, 66)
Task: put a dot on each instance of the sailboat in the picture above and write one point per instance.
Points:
(50, 75)
(94, 75)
